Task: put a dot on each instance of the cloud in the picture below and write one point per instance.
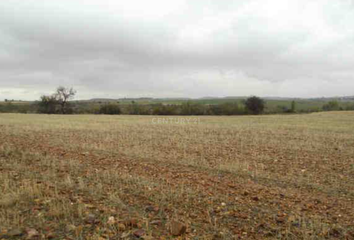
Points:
(180, 48)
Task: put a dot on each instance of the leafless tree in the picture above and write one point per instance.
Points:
(63, 95)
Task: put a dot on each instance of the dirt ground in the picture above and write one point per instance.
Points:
(145, 177)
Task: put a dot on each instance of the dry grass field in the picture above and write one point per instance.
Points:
(130, 177)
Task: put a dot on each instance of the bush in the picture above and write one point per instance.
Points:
(350, 107)
(282, 109)
(331, 106)
(48, 105)
(189, 108)
(226, 109)
(136, 109)
(111, 109)
(293, 107)
(161, 109)
(255, 105)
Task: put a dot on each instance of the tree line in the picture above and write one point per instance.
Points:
(60, 102)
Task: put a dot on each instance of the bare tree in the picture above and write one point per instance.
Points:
(63, 95)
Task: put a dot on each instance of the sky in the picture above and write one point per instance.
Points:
(179, 48)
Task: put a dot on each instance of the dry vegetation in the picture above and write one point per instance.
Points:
(123, 177)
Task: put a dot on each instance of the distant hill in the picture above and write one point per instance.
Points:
(134, 99)
(321, 99)
(345, 99)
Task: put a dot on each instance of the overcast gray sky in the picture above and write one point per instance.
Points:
(178, 48)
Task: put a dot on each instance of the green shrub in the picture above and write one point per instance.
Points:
(331, 106)
(255, 105)
(111, 109)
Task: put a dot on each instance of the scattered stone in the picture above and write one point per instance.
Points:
(121, 227)
(70, 227)
(131, 223)
(149, 238)
(32, 233)
(50, 235)
(15, 233)
(111, 221)
(178, 228)
(91, 219)
(156, 222)
(151, 209)
(139, 233)
(255, 198)
(125, 235)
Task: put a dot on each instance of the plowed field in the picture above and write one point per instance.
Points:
(137, 177)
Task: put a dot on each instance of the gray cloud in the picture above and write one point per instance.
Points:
(179, 48)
